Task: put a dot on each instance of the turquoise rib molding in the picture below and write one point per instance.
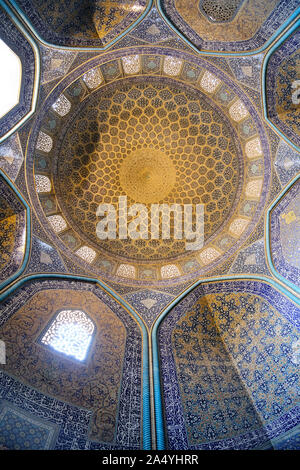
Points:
(28, 233)
(264, 74)
(159, 423)
(67, 48)
(229, 54)
(146, 415)
(37, 70)
(268, 235)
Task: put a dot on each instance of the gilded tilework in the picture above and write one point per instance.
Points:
(220, 11)
(282, 85)
(11, 156)
(21, 431)
(149, 118)
(138, 124)
(229, 346)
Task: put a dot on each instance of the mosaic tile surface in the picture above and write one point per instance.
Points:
(115, 355)
(287, 163)
(288, 441)
(93, 24)
(21, 431)
(230, 350)
(282, 83)
(55, 63)
(247, 70)
(237, 338)
(149, 303)
(249, 29)
(11, 156)
(251, 260)
(153, 29)
(211, 81)
(12, 231)
(44, 258)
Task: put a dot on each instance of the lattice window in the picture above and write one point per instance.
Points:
(70, 333)
(253, 148)
(169, 270)
(10, 78)
(42, 184)
(62, 105)
(126, 270)
(238, 226)
(209, 255)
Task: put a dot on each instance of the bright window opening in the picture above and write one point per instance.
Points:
(10, 78)
(70, 333)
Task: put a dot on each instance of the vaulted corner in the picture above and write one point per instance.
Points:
(230, 355)
(14, 241)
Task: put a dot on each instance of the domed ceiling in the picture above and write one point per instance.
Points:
(156, 129)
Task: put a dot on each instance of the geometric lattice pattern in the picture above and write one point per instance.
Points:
(228, 25)
(283, 88)
(155, 120)
(95, 23)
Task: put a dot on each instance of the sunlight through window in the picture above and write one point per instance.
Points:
(10, 79)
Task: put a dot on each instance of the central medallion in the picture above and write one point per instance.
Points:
(147, 175)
